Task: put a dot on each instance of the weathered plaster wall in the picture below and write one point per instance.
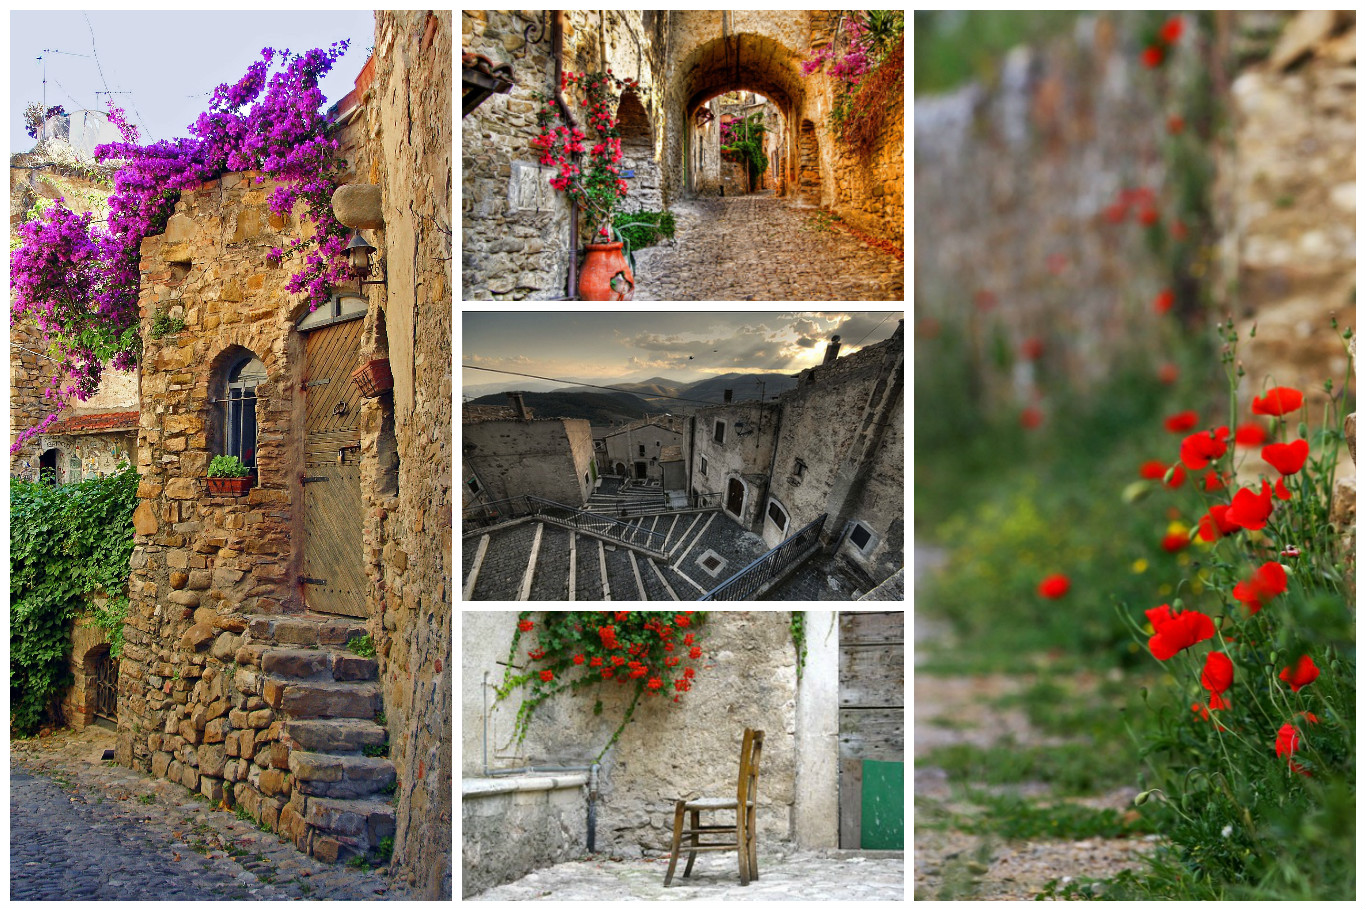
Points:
(747, 457)
(623, 446)
(508, 833)
(669, 750)
(816, 817)
(546, 458)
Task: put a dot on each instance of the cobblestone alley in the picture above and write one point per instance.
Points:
(761, 247)
(798, 875)
(86, 829)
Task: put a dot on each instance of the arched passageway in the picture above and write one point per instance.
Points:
(638, 154)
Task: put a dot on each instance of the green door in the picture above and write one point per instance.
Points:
(884, 805)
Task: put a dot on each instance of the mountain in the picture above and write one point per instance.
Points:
(597, 407)
(744, 385)
(656, 386)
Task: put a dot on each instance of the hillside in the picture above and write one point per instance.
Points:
(744, 385)
(598, 408)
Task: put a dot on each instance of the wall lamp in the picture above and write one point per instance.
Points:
(358, 256)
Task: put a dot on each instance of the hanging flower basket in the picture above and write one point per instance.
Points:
(373, 378)
(229, 486)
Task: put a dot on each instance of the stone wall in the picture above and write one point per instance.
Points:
(668, 750)
(514, 825)
(623, 446)
(547, 457)
(870, 190)
(408, 532)
(745, 453)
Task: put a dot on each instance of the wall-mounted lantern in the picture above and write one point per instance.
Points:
(358, 256)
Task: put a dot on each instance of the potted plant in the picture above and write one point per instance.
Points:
(373, 377)
(594, 181)
(227, 476)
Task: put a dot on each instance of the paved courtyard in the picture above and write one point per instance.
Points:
(762, 247)
(86, 829)
(798, 875)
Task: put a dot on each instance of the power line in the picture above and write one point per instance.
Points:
(586, 384)
(871, 331)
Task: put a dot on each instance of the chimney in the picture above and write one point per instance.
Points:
(726, 395)
(519, 405)
(832, 350)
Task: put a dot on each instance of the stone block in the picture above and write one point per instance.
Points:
(273, 781)
(188, 731)
(215, 731)
(225, 646)
(291, 823)
(315, 767)
(182, 488)
(145, 518)
(348, 667)
(359, 205)
(279, 755)
(300, 664)
(337, 817)
(270, 814)
(249, 798)
(178, 580)
(212, 760)
(211, 787)
(231, 744)
(189, 777)
(325, 849)
(154, 742)
(260, 719)
(200, 579)
(197, 637)
(161, 764)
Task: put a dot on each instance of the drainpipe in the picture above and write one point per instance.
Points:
(593, 808)
(557, 40)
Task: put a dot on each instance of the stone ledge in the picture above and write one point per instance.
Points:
(480, 787)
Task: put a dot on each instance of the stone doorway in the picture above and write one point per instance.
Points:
(735, 497)
(104, 685)
(334, 573)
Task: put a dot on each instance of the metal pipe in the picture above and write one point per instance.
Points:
(557, 42)
(486, 723)
(593, 808)
(536, 769)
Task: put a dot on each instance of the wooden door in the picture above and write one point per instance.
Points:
(872, 730)
(735, 497)
(334, 570)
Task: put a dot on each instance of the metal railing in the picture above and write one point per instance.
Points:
(743, 585)
(593, 523)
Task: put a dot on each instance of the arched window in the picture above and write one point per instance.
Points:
(239, 422)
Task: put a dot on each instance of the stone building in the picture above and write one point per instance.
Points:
(510, 457)
(834, 726)
(517, 239)
(638, 449)
(236, 680)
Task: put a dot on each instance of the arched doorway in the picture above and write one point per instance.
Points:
(735, 497)
(809, 173)
(638, 155)
(47, 466)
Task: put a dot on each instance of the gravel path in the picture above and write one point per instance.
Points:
(951, 864)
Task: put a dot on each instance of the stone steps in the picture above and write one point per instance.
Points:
(339, 776)
(336, 734)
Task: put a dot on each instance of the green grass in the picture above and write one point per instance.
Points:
(1072, 769)
(1013, 818)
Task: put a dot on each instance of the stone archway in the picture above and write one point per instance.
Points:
(638, 155)
(809, 166)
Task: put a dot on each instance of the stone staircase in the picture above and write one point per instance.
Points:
(541, 561)
(628, 500)
(326, 701)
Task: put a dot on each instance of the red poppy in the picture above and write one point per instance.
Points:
(1031, 418)
(1249, 435)
(1174, 634)
(1251, 510)
(1167, 373)
(547, 675)
(1171, 31)
(1152, 56)
(1182, 422)
(1199, 449)
(1215, 524)
(1302, 675)
(1213, 481)
(1163, 302)
(1287, 743)
(1032, 348)
(1287, 458)
(1147, 217)
(1175, 124)
(1054, 586)
(1266, 583)
(1174, 543)
(1278, 402)
(525, 625)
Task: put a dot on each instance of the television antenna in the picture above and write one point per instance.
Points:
(43, 60)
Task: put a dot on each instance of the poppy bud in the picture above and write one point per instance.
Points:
(1274, 655)
(1304, 430)
(1143, 797)
(1178, 604)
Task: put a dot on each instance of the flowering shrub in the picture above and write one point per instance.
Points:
(79, 281)
(35, 115)
(653, 652)
(866, 57)
(596, 186)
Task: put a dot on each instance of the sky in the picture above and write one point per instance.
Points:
(169, 63)
(593, 347)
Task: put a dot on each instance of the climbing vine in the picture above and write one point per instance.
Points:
(798, 624)
(655, 652)
(866, 60)
(742, 140)
(78, 278)
(66, 543)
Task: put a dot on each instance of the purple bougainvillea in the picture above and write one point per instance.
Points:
(79, 280)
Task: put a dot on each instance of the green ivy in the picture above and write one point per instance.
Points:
(65, 543)
(799, 639)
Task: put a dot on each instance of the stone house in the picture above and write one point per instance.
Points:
(236, 680)
(638, 450)
(516, 230)
(508, 457)
(829, 699)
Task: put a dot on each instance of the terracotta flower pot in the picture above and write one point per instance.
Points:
(373, 378)
(606, 275)
(229, 486)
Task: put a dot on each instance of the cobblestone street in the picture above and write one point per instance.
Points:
(761, 247)
(86, 829)
(801, 875)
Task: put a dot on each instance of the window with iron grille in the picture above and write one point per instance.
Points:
(240, 403)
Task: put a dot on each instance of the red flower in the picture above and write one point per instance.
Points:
(1115, 213)
(682, 621)
(1179, 231)
(1251, 510)
(1287, 743)
(984, 300)
(1199, 449)
(1215, 524)
(1213, 481)
(618, 660)
(655, 682)
(1032, 348)
(1287, 458)
(1171, 31)
(1302, 675)
(1031, 418)
(1265, 583)
(1163, 302)
(1175, 124)
(695, 653)
(1174, 543)
(1249, 435)
(1152, 56)
(525, 625)
(1147, 217)
(688, 639)
(1278, 402)
(689, 672)
(1167, 373)
(547, 675)
(1180, 423)
(607, 672)
(1156, 470)
(1174, 634)
(1054, 586)
(537, 654)
(578, 659)
(595, 662)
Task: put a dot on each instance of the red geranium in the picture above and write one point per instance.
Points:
(1251, 510)
(525, 625)
(1303, 673)
(1278, 402)
(1054, 586)
(1287, 458)
(547, 675)
(1181, 422)
(1173, 634)
(695, 653)
(1199, 449)
(1163, 302)
(1266, 583)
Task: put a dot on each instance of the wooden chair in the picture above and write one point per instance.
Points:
(746, 794)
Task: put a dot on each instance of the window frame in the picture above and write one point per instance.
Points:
(239, 401)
